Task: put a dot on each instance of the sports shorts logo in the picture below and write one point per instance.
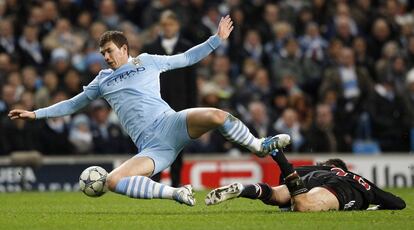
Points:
(349, 205)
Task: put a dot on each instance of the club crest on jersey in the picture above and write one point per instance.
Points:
(136, 61)
(124, 75)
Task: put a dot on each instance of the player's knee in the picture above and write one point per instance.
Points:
(217, 117)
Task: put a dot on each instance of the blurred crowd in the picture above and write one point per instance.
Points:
(337, 75)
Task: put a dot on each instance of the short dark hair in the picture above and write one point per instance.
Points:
(336, 162)
(117, 37)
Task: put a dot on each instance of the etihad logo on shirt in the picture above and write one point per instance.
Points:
(123, 76)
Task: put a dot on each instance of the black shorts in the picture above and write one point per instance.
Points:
(348, 197)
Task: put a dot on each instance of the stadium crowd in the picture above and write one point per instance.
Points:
(337, 76)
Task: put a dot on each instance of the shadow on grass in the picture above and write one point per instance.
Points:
(167, 213)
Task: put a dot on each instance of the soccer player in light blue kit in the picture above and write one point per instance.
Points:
(132, 88)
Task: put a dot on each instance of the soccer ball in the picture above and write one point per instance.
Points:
(92, 181)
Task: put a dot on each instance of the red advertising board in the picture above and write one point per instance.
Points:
(204, 174)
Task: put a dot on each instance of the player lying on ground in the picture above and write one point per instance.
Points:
(132, 88)
(327, 186)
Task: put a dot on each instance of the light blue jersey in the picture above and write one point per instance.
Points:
(133, 90)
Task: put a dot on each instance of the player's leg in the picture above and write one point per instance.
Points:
(316, 199)
(132, 179)
(202, 120)
(269, 195)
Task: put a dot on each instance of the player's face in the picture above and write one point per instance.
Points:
(114, 56)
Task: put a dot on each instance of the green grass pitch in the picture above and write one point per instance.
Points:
(77, 211)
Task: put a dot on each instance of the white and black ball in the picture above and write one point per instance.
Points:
(92, 181)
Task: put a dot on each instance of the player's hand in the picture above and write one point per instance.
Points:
(377, 207)
(21, 114)
(225, 27)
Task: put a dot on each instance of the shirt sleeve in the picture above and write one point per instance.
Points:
(67, 107)
(92, 89)
(64, 108)
(190, 57)
(387, 200)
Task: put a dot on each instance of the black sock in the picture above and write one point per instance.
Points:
(251, 191)
(285, 167)
(256, 191)
(292, 180)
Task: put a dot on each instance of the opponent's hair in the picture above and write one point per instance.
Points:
(336, 162)
(117, 37)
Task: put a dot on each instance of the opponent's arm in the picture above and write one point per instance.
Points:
(387, 200)
(62, 108)
(198, 52)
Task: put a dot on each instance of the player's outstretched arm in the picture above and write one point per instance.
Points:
(198, 52)
(386, 200)
(60, 109)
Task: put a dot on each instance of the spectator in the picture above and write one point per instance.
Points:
(258, 90)
(15, 80)
(7, 100)
(17, 135)
(246, 77)
(259, 124)
(408, 96)
(409, 52)
(53, 133)
(323, 137)
(63, 36)
(270, 18)
(290, 62)
(60, 62)
(362, 57)
(8, 41)
(72, 83)
(380, 35)
(80, 134)
(387, 111)
(389, 52)
(282, 31)
(178, 87)
(312, 44)
(50, 14)
(96, 29)
(252, 47)
(6, 66)
(352, 86)
(279, 102)
(107, 137)
(31, 81)
(108, 14)
(288, 123)
(209, 95)
(43, 95)
(303, 106)
(32, 53)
